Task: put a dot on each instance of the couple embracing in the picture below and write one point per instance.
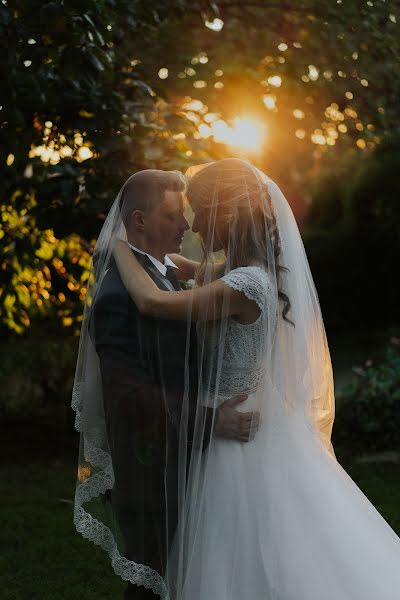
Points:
(206, 469)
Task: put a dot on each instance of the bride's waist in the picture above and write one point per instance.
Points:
(232, 382)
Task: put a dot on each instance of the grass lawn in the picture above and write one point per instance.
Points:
(41, 555)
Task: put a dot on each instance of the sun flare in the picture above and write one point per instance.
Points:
(243, 132)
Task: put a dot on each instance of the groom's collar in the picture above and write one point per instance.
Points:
(162, 268)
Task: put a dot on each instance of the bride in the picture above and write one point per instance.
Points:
(276, 518)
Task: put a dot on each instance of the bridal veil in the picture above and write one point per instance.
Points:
(289, 382)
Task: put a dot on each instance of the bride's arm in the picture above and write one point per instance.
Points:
(187, 268)
(205, 303)
(190, 269)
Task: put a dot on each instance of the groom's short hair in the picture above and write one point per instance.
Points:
(146, 189)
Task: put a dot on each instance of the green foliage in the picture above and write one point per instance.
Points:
(36, 378)
(374, 210)
(353, 239)
(76, 119)
(368, 417)
(351, 95)
(83, 106)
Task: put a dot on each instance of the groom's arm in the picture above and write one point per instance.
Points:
(226, 422)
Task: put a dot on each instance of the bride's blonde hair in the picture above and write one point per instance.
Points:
(231, 191)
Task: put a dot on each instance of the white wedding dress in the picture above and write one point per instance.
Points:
(279, 518)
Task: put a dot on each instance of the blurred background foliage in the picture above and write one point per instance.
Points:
(369, 415)
(94, 90)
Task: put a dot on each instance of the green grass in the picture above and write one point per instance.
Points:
(380, 482)
(41, 555)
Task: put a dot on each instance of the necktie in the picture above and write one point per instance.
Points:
(171, 276)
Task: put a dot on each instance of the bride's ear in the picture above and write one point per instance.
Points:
(137, 220)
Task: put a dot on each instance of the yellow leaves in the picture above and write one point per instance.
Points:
(49, 233)
(84, 262)
(350, 112)
(85, 114)
(40, 269)
(57, 263)
(23, 295)
(333, 113)
(45, 251)
(25, 318)
(46, 271)
(14, 326)
(9, 310)
(9, 302)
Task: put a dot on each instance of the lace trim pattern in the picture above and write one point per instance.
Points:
(242, 367)
(237, 381)
(252, 281)
(93, 486)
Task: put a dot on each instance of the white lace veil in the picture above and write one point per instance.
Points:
(301, 350)
(123, 397)
(279, 358)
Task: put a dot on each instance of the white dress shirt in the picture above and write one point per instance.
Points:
(161, 267)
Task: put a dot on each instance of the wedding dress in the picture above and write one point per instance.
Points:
(277, 518)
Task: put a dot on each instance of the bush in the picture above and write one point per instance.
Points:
(352, 240)
(368, 417)
(36, 378)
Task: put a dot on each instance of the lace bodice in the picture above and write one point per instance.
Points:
(235, 353)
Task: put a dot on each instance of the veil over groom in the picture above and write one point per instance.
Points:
(206, 469)
(147, 369)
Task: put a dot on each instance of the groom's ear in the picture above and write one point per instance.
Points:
(137, 220)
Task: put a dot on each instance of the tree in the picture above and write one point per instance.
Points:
(320, 78)
(74, 122)
(97, 89)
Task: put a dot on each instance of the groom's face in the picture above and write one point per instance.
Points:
(165, 224)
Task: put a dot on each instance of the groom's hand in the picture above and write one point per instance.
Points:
(236, 425)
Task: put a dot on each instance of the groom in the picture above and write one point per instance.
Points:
(142, 363)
